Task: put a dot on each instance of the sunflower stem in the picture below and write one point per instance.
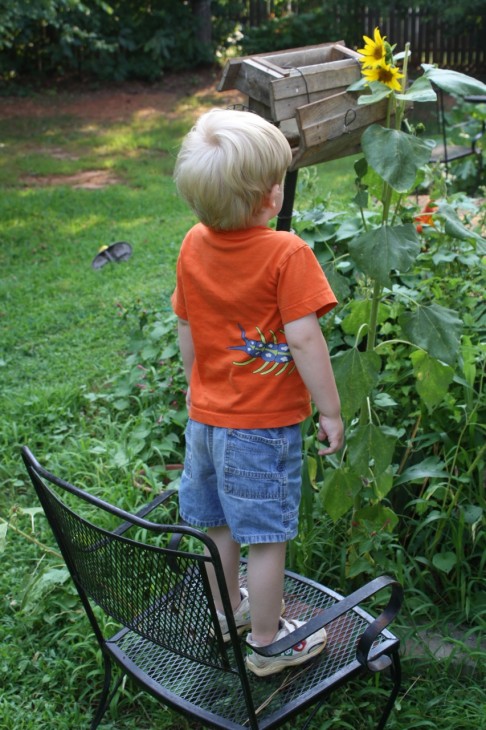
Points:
(401, 103)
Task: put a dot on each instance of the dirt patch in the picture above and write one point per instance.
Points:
(118, 102)
(58, 153)
(88, 180)
(122, 101)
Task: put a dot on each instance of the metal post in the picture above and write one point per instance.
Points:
(284, 219)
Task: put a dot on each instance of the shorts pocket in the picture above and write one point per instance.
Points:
(188, 451)
(255, 464)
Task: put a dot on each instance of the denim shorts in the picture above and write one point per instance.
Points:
(249, 480)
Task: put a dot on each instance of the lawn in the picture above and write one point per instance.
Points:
(72, 351)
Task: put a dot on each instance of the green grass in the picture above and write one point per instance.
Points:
(65, 330)
(52, 300)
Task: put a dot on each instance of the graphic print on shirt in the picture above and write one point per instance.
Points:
(274, 353)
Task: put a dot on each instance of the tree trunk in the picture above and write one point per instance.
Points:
(258, 12)
(201, 10)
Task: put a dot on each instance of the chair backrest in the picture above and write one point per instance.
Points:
(153, 583)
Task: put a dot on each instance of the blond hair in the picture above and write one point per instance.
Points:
(228, 164)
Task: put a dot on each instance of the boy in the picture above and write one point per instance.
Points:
(248, 300)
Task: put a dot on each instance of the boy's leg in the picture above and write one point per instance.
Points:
(266, 565)
(229, 551)
(265, 584)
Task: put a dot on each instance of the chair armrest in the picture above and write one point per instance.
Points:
(145, 510)
(372, 632)
(476, 99)
(341, 607)
(477, 137)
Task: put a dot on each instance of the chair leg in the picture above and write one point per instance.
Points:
(396, 674)
(307, 723)
(106, 697)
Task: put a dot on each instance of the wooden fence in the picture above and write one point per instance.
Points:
(432, 40)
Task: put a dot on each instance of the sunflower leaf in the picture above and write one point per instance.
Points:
(421, 90)
(395, 155)
(435, 329)
(382, 250)
(378, 91)
(454, 82)
(356, 375)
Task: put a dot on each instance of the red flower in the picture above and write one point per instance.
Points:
(426, 216)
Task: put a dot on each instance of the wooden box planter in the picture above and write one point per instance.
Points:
(303, 90)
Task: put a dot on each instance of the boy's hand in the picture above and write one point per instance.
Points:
(331, 430)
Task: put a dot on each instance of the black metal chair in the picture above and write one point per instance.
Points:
(154, 584)
(448, 150)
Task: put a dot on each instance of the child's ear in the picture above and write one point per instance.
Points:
(274, 195)
(271, 203)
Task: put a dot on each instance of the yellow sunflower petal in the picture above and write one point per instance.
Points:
(377, 36)
(374, 50)
(386, 74)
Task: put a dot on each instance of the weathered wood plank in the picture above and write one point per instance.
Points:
(254, 79)
(282, 60)
(286, 108)
(348, 144)
(265, 62)
(337, 103)
(303, 55)
(230, 74)
(316, 78)
(342, 124)
(263, 110)
(342, 50)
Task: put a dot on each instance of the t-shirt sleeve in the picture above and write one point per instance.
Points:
(177, 299)
(303, 287)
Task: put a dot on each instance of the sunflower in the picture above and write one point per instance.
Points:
(375, 50)
(386, 74)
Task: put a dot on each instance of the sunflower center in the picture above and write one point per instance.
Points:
(385, 75)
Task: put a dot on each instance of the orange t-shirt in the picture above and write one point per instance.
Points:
(237, 289)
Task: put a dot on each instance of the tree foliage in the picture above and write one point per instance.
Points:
(120, 39)
(114, 39)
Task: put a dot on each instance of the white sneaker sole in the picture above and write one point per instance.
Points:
(278, 664)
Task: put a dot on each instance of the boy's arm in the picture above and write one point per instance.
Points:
(186, 347)
(311, 356)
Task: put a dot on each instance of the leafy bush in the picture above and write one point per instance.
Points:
(147, 398)
(421, 433)
(114, 39)
(111, 40)
(465, 124)
(291, 31)
(409, 364)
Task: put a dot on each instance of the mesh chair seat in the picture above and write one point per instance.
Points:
(208, 693)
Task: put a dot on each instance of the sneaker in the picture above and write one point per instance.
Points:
(298, 654)
(241, 615)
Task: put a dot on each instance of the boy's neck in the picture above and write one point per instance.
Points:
(260, 220)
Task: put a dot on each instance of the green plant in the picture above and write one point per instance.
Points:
(147, 398)
(406, 362)
(290, 31)
(465, 123)
(104, 39)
